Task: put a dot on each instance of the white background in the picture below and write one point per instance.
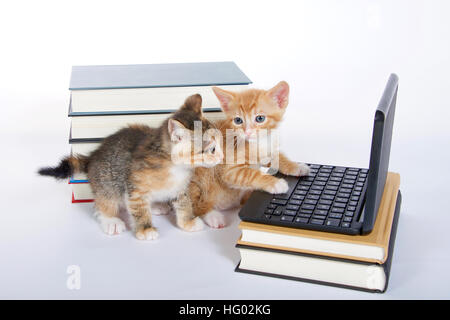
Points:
(336, 56)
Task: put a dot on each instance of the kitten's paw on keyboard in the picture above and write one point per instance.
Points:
(302, 170)
(279, 186)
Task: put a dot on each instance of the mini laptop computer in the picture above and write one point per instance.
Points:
(333, 198)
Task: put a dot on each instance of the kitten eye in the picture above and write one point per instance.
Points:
(238, 120)
(260, 118)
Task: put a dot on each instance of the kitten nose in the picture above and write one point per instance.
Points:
(248, 132)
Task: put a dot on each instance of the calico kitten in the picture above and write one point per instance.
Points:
(133, 168)
(228, 185)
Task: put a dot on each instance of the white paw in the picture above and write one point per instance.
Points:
(147, 234)
(159, 209)
(302, 170)
(281, 186)
(195, 224)
(214, 219)
(111, 225)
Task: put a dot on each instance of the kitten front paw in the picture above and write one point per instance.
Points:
(296, 169)
(111, 225)
(147, 234)
(214, 219)
(193, 225)
(302, 170)
(279, 186)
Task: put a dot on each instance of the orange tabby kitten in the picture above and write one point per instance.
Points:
(228, 185)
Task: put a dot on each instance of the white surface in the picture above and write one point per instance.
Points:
(336, 56)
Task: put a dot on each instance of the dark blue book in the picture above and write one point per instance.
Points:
(149, 88)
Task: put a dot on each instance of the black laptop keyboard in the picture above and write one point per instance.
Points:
(329, 198)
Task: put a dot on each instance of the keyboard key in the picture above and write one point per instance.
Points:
(337, 210)
(345, 190)
(339, 205)
(358, 188)
(301, 220)
(363, 175)
(356, 193)
(351, 208)
(336, 179)
(323, 207)
(314, 166)
(360, 184)
(300, 192)
(297, 197)
(305, 183)
(327, 197)
(289, 212)
(337, 175)
(310, 201)
(317, 187)
(323, 175)
(271, 206)
(341, 199)
(320, 212)
(304, 215)
(268, 211)
(353, 203)
(318, 217)
(345, 225)
(308, 206)
(292, 207)
(321, 179)
(334, 188)
(303, 188)
(325, 170)
(330, 192)
(277, 211)
(333, 222)
(327, 202)
(354, 198)
(317, 221)
(313, 196)
(279, 201)
(339, 169)
(361, 180)
(348, 181)
(333, 183)
(343, 195)
(295, 202)
(364, 170)
(287, 218)
(347, 185)
(328, 167)
(335, 215)
(349, 213)
(319, 183)
(305, 211)
(347, 219)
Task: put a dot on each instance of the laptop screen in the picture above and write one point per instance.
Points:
(380, 151)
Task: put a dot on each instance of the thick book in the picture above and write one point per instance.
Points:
(149, 88)
(372, 247)
(98, 127)
(320, 269)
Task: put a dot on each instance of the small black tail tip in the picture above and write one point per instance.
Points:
(60, 172)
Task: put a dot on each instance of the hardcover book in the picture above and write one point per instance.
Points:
(358, 262)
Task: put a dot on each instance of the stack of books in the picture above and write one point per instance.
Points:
(106, 98)
(358, 262)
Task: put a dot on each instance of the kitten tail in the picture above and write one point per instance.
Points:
(66, 168)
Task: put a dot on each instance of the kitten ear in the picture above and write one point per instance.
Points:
(224, 97)
(176, 130)
(194, 103)
(280, 94)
